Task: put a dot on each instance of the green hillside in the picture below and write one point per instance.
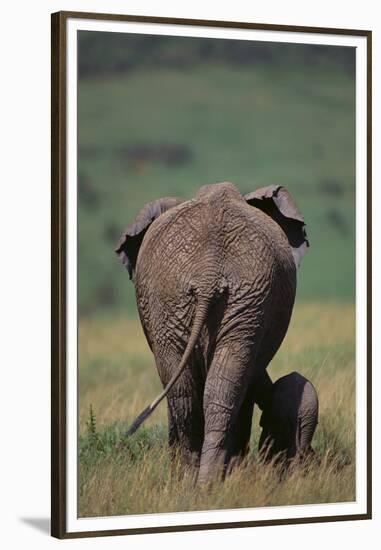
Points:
(167, 129)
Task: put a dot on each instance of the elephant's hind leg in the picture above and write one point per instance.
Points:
(240, 436)
(224, 400)
(186, 427)
(259, 392)
(185, 413)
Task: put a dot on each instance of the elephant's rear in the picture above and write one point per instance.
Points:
(229, 254)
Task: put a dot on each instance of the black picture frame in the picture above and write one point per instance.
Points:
(59, 263)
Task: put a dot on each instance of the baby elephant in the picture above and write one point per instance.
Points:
(290, 418)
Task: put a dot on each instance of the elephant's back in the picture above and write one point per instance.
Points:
(198, 239)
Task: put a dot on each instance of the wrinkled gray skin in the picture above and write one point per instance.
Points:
(215, 281)
(289, 419)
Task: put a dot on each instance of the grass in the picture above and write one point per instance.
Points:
(118, 379)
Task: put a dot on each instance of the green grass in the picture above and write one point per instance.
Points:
(118, 378)
(288, 125)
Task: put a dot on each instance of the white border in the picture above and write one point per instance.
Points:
(75, 524)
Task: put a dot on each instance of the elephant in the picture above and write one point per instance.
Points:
(215, 283)
(289, 420)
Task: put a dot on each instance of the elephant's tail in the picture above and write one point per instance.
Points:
(198, 323)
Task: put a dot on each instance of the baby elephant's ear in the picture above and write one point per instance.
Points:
(277, 202)
(132, 238)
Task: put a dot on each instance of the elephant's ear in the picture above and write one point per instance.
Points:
(132, 238)
(277, 202)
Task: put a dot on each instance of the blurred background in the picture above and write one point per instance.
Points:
(163, 116)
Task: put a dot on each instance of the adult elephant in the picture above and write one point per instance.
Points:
(215, 281)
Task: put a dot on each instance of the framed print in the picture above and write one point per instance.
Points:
(211, 267)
